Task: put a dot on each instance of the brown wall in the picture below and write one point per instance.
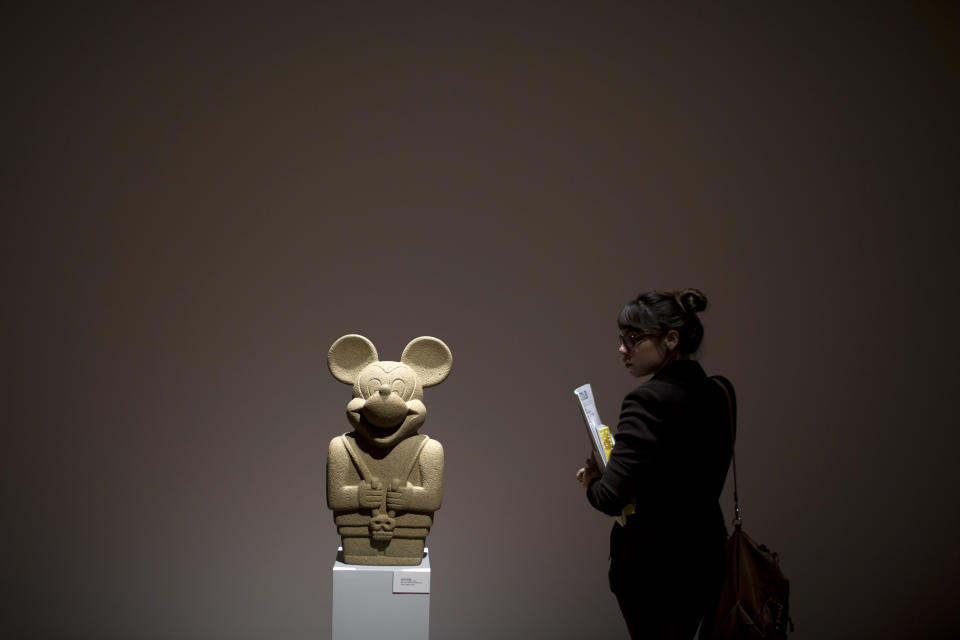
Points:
(196, 203)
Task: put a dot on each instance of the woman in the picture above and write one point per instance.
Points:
(669, 463)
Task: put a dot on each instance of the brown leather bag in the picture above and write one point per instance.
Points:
(754, 599)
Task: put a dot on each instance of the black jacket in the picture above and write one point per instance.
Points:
(670, 460)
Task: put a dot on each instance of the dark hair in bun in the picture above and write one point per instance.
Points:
(657, 312)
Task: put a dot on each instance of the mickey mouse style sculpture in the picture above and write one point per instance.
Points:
(384, 481)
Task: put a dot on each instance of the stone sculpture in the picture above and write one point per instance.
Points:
(384, 481)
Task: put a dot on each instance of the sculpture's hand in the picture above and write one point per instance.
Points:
(398, 497)
(369, 496)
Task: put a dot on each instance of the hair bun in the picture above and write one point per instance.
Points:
(691, 300)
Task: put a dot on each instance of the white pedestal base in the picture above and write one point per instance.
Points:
(373, 602)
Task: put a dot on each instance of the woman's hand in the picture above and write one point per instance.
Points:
(588, 473)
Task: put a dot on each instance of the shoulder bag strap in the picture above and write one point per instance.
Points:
(738, 516)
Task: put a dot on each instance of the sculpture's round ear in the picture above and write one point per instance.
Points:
(349, 355)
(430, 358)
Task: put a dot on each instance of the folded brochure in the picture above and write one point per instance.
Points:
(601, 440)
(600, 437)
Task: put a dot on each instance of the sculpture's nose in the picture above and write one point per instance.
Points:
(384, 390)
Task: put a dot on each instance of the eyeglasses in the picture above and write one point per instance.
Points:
(631, 339)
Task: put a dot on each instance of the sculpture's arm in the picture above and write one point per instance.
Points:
(341, 494)
(345, 491)
(427, 497)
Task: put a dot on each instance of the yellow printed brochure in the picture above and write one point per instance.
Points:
(606, 439)
(600, 437)
(601, 440)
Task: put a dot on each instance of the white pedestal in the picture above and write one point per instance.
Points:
(374, 602)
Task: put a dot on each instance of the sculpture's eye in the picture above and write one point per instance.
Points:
(373, 386)
(399, 386)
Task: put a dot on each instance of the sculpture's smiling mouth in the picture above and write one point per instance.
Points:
(380, 436)
(379, 433)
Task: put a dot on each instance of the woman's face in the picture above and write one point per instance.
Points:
(645, 354)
